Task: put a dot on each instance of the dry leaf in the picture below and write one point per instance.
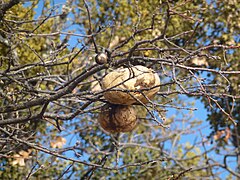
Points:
(114, 42)
(217, 135)
(228, 134)
(222, 133)
(58, 142)
(19, 159)
(200, 61)
(95, 87)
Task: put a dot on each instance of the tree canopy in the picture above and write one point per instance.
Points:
(54, 56)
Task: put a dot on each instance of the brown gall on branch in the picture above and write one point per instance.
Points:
(117, 118)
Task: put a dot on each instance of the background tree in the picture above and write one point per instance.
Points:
(51, 98)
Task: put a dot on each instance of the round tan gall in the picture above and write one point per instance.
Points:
(117, 118)
(132, 85)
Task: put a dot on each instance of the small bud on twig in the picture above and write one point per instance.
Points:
(101, 58)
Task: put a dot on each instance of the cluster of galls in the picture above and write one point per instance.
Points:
(125, 87)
